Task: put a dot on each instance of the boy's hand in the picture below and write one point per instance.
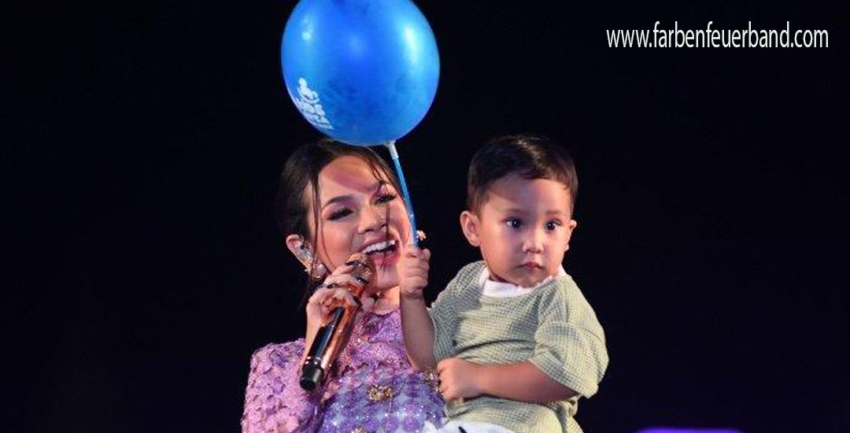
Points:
(459, 379)
(413, 271)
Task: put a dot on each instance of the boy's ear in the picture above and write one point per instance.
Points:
(570, 227)
(469, 224)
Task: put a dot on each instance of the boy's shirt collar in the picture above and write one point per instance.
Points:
(499, 289)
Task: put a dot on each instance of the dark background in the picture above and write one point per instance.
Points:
(142, 141)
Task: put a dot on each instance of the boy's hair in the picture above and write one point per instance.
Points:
(528, 156)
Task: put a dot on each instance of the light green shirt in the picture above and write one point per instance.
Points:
(553, 327)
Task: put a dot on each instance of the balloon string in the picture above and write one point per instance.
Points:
(414, 239)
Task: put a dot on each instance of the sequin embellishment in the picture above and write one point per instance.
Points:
(378, 393)
(432, 379)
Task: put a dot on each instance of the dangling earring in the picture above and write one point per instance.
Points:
(319, 272)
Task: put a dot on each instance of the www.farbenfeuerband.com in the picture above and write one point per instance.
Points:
(713, 38)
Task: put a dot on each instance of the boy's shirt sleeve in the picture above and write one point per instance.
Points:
(444, 316)
(570, 342)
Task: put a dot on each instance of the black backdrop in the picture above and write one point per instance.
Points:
(142, 140)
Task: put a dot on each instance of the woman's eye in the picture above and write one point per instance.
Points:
(552, 225)
(341, 213)
(385, 198)
(514, 223)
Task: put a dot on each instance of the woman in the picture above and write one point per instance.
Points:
(335, 200)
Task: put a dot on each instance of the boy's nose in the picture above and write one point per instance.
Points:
(533, 243)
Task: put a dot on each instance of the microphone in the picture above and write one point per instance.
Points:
(336, 327)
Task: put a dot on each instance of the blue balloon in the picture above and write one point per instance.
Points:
(361, 71)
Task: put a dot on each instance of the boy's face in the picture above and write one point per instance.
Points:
(523, 229)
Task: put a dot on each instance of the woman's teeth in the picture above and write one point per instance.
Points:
(378, 247)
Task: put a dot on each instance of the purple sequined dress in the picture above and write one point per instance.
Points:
(375, 389)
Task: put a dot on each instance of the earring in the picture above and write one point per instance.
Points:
(317, 271)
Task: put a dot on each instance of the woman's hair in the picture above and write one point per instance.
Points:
(301, 173)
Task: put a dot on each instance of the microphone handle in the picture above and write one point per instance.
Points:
(330, 339)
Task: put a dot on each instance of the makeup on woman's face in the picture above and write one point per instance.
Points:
(360, 213)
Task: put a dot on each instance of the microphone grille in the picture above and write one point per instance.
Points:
(364, 268)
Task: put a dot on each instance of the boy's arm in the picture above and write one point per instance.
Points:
(417, 329)
(418, 333)
(569, 358)
(570, 343)
(521, 381)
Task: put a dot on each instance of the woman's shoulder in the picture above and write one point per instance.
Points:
(278, 354)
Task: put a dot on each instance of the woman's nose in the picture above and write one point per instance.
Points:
(371, 219)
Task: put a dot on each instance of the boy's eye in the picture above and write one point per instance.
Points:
(514, 223)
(552, 225)
(340, 213)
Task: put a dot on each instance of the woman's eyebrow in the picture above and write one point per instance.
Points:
(376, 187)
(338, 199)
(380, 186)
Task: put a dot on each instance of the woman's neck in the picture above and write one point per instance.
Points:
(387, 300)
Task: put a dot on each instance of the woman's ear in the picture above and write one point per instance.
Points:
(300, 249)
(469, 224)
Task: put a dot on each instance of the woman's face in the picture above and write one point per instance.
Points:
(359, 213)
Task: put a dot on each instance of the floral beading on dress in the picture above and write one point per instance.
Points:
(374, 389)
